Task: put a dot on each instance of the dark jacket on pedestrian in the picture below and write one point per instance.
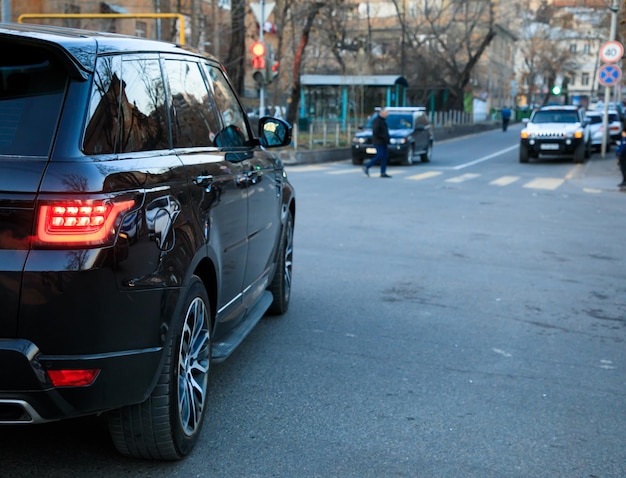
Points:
(380, 130)
(620, 152)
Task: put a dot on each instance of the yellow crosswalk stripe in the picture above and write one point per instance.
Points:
(346, 171)
(429, 174)
(504, 180)
(544, 183)
(462, 178)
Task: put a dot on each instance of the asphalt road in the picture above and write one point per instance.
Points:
(465, 318)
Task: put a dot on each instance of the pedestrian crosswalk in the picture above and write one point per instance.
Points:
(448, 176)
(543, 183)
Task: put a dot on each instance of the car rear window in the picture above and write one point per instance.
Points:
(32, 86)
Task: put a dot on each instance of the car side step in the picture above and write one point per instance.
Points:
(221, 350)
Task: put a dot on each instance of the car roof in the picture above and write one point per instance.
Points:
(559, 108)
(600, 113)
(80, 47)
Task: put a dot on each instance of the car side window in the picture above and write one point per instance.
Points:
(235, 128)
(127, 109)
(193, 119)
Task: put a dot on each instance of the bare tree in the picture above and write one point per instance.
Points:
(545, 56)
(236, 53)
(449, 39)
(313, 8)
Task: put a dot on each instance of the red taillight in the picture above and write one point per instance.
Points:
(78, 223)
(72, 378)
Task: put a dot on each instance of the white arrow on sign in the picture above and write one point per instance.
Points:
(267, 8)
(611, 52)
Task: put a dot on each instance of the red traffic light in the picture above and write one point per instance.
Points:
(258, 48)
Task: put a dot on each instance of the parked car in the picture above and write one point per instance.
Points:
(145, 230)
(411, 137)
(559, 130)
(596, 125)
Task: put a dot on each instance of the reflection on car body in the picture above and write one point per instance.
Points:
(160, 214)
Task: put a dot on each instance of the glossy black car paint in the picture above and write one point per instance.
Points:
(217, 213)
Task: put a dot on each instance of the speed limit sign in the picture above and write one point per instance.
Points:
(611, 52)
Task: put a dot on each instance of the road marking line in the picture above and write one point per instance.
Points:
(347, 171)
(544, 183)
(430, 174)
(462, 178)
(575, 172)
(306, 169)
(504, 180)
(485, 158)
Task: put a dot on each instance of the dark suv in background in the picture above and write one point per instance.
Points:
(410, 132)
(145, 230)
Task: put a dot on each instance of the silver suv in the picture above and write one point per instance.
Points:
(556, 131)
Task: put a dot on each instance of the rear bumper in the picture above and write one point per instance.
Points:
(28, 396)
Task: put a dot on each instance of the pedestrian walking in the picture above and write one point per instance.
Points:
(621, 159)
(380, 140)
(506, 117)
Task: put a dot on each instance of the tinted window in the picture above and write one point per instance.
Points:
(127, 108)
(193, 120)
(555, 117)
(32, 85)
(404, 121)
(235, 129)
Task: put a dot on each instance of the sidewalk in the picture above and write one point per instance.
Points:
(598, 174)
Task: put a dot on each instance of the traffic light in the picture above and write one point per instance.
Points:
(556, 90)
(274, 71)
(258, 55)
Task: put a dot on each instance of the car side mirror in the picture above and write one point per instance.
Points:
(274, 132)
(525, 120)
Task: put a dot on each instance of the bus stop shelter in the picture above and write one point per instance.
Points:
(339, 96)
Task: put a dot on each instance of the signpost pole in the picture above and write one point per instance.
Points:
(605, 116)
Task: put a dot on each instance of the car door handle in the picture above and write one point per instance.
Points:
(204, 182)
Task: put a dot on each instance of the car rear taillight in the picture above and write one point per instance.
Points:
(72, 378)
(79, 223)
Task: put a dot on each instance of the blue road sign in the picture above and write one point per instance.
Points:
(609, 75)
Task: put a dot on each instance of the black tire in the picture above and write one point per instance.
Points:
(523, 154)
(356, 160)
(588, 150)
(407, 160)
(167, 425)
(281, 283)
(579, 154)
(427, 156)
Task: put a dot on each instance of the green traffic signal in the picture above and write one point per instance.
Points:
(556, 90)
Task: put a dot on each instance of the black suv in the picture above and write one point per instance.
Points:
(410, 137)
(559, 130)
(145, 230)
